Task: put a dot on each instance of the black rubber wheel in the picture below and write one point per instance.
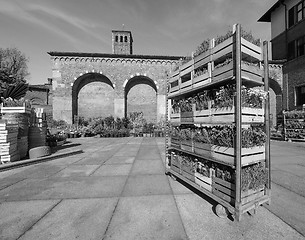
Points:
(221, 211)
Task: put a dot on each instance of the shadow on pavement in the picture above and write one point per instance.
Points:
(65, 146)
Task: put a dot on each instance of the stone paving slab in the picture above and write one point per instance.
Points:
(120, 160)
(66, 160)
(12, 172)
(141, 167)
(284, 200)
(74, 219)
(89, 160)
(295, 169)
(18, 217)
(113, 170)
(149, 153)
(146, 217)
(39, 171)
(201, 223)
(143, 185)
(289, 181)
(126, 153)
(6, 182)
(76, 171)
(62, 188)
(151, 202)
(179, 188)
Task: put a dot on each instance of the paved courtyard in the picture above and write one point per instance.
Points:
(117, 189)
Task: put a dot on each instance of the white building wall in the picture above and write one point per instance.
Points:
(278, 18)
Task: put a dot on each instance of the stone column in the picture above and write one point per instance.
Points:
(161, 107)
(119, 107)
(62, 103)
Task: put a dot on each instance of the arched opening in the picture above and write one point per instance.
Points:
(276, 100)
(141, 96)
(36, 101)
(92, 96)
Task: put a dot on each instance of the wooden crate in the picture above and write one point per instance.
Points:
(8, 137)
(174, 142)
(226, 191)
(248, 155)
(182, 117)
(10, 158)
(185, 169)
(203, 149)
(228, 115)
(187, 117)
(222, 73)
(175, 117)
(21, 109)
(8, 148)
(187, 145)
(203, 181)
(188, 170)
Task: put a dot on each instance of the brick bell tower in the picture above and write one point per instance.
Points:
(121, 42)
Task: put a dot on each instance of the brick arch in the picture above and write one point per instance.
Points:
(140, 95)
(37, 101)
(276, 97)
(82, 81)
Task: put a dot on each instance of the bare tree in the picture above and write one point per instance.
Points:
(13, 68)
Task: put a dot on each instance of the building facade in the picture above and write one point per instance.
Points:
(287, 18)
(99, 84)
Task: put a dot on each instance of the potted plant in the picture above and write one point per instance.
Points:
(186, 138)
(202, 142)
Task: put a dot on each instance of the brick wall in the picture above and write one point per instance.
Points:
(119, 71)
(96, 100)
(294, 75)
(38, 95)
(142, 98)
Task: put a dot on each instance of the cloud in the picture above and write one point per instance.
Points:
(85, 26)
(41, 15)
(14, 10)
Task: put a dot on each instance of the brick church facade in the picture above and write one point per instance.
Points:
(99, 84)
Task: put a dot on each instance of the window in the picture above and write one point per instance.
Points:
(291, 17)
(300, 95)
(121, 38)
(296, 13)
(126, 39)
(116, 38)
(291, 50)
(299, 9)
(300, 46)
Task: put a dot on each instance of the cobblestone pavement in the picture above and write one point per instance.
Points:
(117, 189)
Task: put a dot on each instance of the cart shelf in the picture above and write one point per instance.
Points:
(233, 62)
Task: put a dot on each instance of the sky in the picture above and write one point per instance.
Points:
(159, 27)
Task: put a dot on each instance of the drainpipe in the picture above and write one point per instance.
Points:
(286, 28)
(286, 48)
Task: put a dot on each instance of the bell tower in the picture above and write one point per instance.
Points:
(121, 42)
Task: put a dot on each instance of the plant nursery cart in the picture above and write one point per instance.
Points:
(217, 132)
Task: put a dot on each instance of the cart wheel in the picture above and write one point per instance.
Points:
(221, 211)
